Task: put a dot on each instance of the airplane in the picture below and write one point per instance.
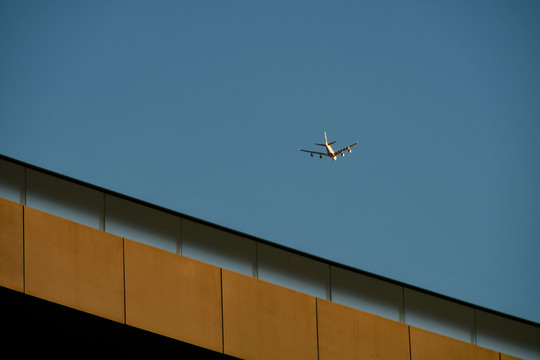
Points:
(329, 151)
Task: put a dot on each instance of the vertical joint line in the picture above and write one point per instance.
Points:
(317, 325)
(410, 349)
(24, 247)
(473, 331)
(124, 276)
(180, 234)
(403, 304)
(329, 292)
(23, 202)
(222, 317)
(103, 213)
(256, 262)
(25, 186)
(23, 197)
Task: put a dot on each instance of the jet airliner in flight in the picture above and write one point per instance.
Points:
(329, 151)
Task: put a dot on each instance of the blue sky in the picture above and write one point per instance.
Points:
(201, 106)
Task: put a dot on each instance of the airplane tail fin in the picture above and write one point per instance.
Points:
(326, 141)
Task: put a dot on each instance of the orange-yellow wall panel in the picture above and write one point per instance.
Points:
(266, 321)
(173, 295)
(508, 357)
(346, 333)
(74, 265)
(427, 345)
(11, 245)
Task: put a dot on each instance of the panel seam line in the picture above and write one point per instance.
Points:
(410, 349)
(222, 316)
(124, 277)
(317, 325)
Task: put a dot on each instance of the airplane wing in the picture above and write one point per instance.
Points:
(314, 152)
(345, 149)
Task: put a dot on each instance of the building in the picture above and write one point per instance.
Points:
(87, 270)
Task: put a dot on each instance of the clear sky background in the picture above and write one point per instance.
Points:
(201, 106)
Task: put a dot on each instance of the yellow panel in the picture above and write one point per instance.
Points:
(428, 345)
(509, 357)
(346, 333)
(11, 245)
(266, 321)
(173, 295)
(74, 265)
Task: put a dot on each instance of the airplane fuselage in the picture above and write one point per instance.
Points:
(330, 152)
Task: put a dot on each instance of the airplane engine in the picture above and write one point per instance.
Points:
(342, 154)
(320, 156)
(311, 155)
(350, 151)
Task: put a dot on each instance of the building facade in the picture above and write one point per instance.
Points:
(91, 267)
